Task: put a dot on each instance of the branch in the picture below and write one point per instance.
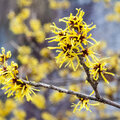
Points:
(80, 95)
(92, 82)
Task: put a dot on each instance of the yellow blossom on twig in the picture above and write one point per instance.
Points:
(83, 104)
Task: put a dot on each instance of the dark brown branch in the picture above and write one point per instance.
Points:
(62, 90)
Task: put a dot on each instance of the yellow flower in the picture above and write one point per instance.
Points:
(13, 68)
(77, 22)
(88, 52)
(83, 104)
(19, 89)
(67, 54)
(99, 68)
(3, 56)
(10, 81)
(25, 90)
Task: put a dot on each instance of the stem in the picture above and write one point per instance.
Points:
(92, 82)
(62, 90)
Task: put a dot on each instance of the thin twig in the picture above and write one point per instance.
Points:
(80, 95)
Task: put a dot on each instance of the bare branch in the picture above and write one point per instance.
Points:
(80, 95)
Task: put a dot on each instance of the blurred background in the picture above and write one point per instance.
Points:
(24, 25)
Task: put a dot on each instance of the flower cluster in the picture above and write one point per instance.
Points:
(12, 84)
(99, 68)
(83, 104)
(72, 39)
(75, 41)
